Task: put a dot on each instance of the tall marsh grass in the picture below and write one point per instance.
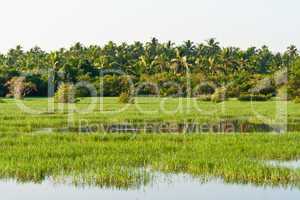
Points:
(126, 161)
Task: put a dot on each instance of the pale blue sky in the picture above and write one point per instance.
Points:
(52, 24)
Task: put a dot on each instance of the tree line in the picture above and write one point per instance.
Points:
(161, 63)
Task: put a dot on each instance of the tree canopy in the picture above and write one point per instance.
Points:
(152, 61)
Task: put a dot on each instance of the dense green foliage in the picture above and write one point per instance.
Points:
(159, 63)
(294, 79)
(119, 160)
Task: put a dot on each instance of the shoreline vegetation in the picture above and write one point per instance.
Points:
(128, 161)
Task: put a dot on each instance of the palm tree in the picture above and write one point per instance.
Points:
(229, 59)
(161, 61)
(180, 63)
(213, 46)
(292, 51)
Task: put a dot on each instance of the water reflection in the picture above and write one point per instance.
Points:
(165, 188)
(294, 164)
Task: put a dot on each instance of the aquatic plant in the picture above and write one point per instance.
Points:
(127, 161)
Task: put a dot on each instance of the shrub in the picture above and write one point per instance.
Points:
(113, 85)
(82, 91)
(147, 89)
(219, 95)
(171, 91)
(205, 89)
(164, 84)
(204, 98)
(297, 100)
(65, 94)
(263, 87)
(232, 91)
(40, 83)
(126, 98)
(281, 77)
(19, 87)
(282, 93)
(254, 97)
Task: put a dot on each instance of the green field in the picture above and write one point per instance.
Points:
(13, 119)
(128, 160)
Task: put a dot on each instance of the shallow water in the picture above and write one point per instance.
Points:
(294, 164)
(166, 188)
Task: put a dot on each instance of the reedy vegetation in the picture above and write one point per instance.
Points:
(119, 160)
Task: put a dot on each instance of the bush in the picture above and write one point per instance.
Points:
(232, 91)
(163, 84)
(147, 89)
(65, 94)
(82, 91)
(113, 85)
(205, 89)
(219, 95)
(126, 98)
(171, 91)
(204, 98)
(263, 86)
(252, 97)
(282, 93)
(297, 100)
(40, 83)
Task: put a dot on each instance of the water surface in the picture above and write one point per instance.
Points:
(166, 188)
(294, 164)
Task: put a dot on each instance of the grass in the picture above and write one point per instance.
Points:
(145, 110)
(129, 160)
(118, 160)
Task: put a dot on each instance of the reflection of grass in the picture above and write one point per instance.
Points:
(117, 160)
(13, 119)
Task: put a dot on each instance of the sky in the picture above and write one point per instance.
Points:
(52, 24)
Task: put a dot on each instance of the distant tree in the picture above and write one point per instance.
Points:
(154, 60)
(294, 80)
